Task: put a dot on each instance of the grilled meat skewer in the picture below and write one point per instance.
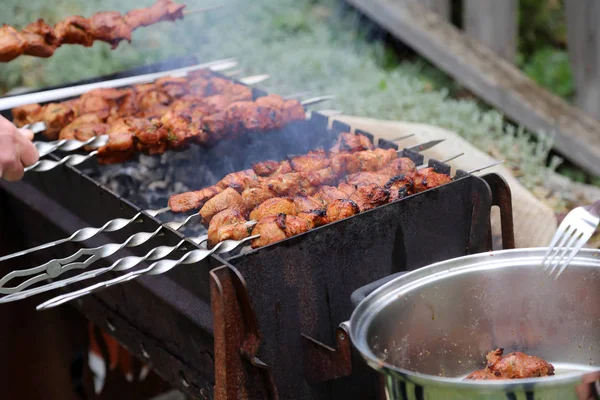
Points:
(39, 39)
(143, 100)
(249, 179)
(282, 217)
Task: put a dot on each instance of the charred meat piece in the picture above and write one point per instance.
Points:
(180, 129)
(400, 166)
(400, 186)
(253, 197)
(173, 87)
(514, 365)
(340, 209)
(376, 159)
(330, 193)
(270, 168)
(274, 206)
(271, 229)
(308, 204)
(162, 10)
(293, 110)
(351, 143)
(41, 39)
(367, 178)
(151, 137)
(228, 198)
(370, 196)
(297, 224)
(120, 146)
(56, 116)
(427, 178)
(26, 114)
(228, 224)
(315, 217)
(312, 161)
(192, 200)
(109, 27)
(84, 127)
(239, 180)
(74, 30)
(12, 43)
(152, 98)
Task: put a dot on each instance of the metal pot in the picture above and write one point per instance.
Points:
(428, 329)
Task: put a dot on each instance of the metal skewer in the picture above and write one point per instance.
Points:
(122, 264)
(156, 268)
(64, 93)
(202, 10)
(117, 224)
(54, 268)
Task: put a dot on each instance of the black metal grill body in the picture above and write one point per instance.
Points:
(300, 286)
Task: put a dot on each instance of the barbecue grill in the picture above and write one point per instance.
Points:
(252, 323)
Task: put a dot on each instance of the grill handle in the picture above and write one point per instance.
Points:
(361, 293)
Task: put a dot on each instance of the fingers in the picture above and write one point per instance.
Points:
(27, 152)
(16, 151)
(26, 133)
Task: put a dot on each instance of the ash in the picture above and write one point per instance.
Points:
(149, 181)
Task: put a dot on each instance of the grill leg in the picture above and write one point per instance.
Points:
(238, 373)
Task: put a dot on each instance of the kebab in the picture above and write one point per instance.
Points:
(358, 192)
(142, 100)
(39, 39)
(351, 153)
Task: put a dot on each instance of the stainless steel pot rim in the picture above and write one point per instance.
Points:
(359, 321)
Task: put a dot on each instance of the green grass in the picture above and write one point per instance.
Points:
(303, 45)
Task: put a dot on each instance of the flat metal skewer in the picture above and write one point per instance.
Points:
(156, 268)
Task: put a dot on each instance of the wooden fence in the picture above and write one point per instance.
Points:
(479, 59)
(494, 24)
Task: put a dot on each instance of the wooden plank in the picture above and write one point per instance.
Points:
(493, 79)
(493, 23)
(583, 35)
(443, 8)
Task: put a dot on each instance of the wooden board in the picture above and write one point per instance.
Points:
(493, 79)
(534, 222)
(494, 24)
(583, 31)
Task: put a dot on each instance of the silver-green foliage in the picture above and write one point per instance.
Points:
(304, 45)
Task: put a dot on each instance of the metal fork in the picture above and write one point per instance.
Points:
(572, 234)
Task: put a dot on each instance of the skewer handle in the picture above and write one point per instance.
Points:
(156, 268)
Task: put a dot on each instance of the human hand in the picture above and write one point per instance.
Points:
(16, 150)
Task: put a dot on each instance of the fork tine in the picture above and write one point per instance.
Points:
(565, 249)
(584, 238)
(557, 236)
(558, 246)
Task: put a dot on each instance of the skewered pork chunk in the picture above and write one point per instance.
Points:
(228, 224)
(269, 168)
(274, 206)
(12, 44)
(308, 204)
(514, 365)
(370, 196)
(110, 27)
(84, 127)
(162, 10)
(228, 198)
(427, 178)
(26, 114)
(56, 116)
(74, 30)
(340, 209)
(312, 161)
(351, 143)
(253, 197)
(400, 186)
(367, 178)
(41, 39)
(120, 140)
(271, 229)
(192, 200)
